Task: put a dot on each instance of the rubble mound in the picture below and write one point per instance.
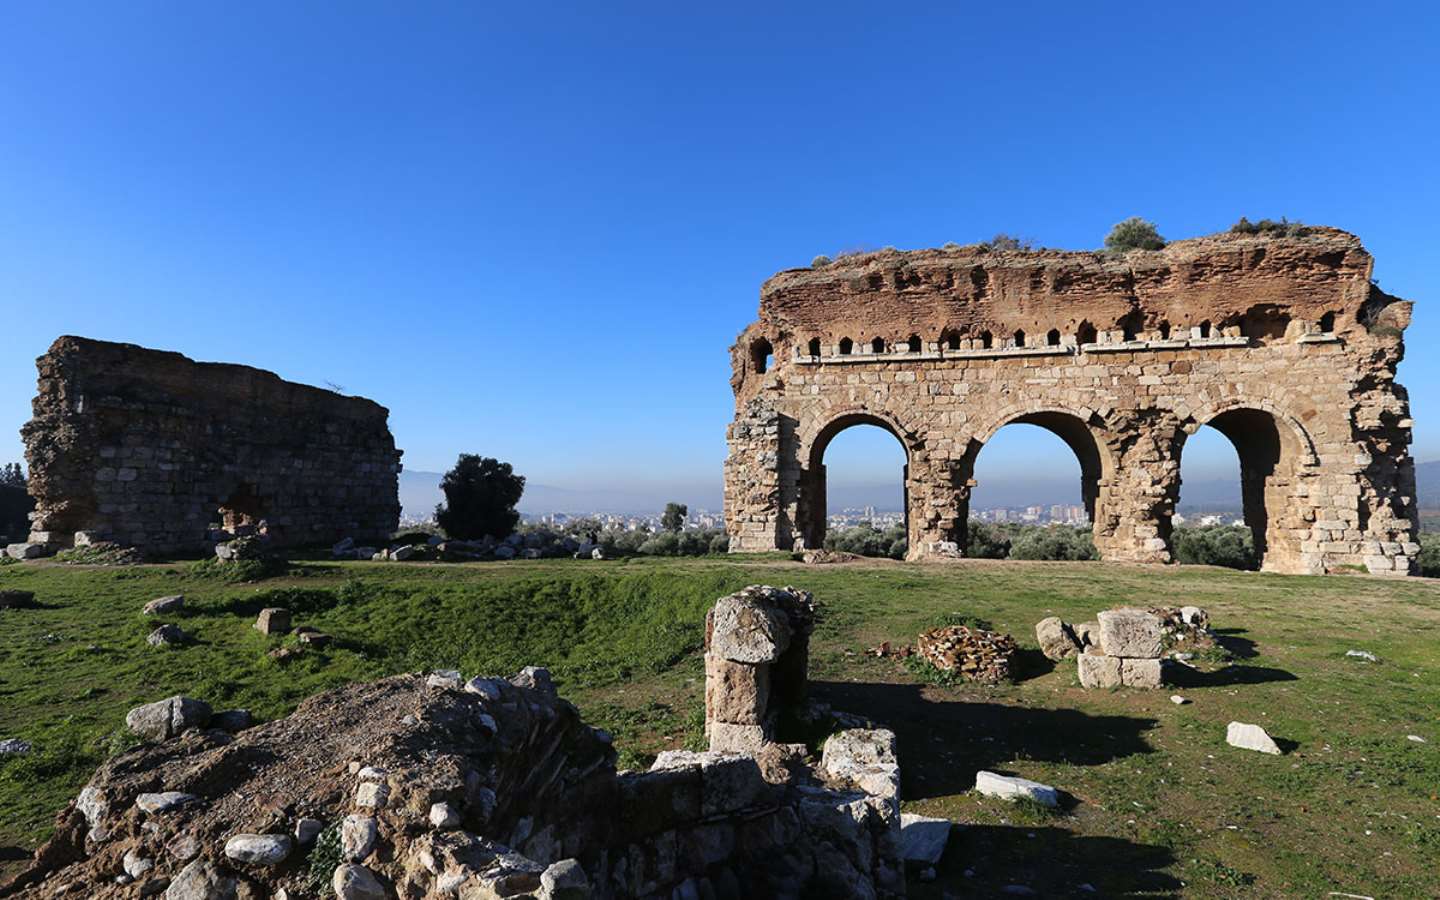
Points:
(417, 786)
(827, 557)
(974, 653)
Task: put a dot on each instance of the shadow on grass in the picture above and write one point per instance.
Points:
(1051, 862)
(1238, 647)
(1186, 677)
(1028, 664)
(943, 744)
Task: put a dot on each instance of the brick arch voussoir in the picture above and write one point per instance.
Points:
(1279, 409)
(910, 432)
(1107, 430)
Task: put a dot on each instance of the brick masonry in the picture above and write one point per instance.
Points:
(1283, 344)
(149, 449)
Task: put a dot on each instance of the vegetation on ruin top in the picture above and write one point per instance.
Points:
(1160, 803)
(1132, 234)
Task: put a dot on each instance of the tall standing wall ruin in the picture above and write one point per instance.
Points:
(1283, 344)
(148, 448)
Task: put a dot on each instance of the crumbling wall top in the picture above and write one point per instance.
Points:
(1216, 279)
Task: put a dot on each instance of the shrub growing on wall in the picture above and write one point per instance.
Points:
(480, 498)
(1134, 234)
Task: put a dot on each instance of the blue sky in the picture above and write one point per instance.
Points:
(532, 231)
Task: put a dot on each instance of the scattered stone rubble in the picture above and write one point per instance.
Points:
(1124, 647)
(975, 653)
(436, 786)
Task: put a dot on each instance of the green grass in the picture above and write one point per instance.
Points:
(1157, 804)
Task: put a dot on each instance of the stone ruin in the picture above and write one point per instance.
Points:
(1284, 345)
(1127, 646)
(149, 449)
(416, 786)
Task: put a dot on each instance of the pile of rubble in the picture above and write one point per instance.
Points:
(827, 557)
(433, 786)
(974, 653)
(1124, 647)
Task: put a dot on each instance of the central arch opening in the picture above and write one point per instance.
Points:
(1035, 489)
(1233, 488)
(858, 502)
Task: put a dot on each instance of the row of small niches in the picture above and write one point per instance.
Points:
(1067, 347)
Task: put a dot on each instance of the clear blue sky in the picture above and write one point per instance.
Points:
(533, 231)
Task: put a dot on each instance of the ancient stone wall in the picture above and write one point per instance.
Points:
(1283, 344)
(435, 786)
(149, 449)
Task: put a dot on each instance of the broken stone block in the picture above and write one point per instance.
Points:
(1056, 640)
(726, 737)
(1250, 737)
(1140, 673)
(923, 839)
(748, 629)
(1130, 633)
(1087, 634)
(1012, 788)
(729, 781)
(1098, 671)
(166, 636)
(273, 620)
(735, 692)
(163, 605)
(166, 718)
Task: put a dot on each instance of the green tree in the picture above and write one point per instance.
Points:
(15, 503)
(673, 518)
(1134, 234)
(480, 498)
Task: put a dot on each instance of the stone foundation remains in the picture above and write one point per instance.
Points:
(418, 786)
(1284, 345)
(148, 449)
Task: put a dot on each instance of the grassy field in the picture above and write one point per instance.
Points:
(1158, 804)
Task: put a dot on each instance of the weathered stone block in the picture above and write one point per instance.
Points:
(273, 620)
(1098, 671)
(1140, 673)
(735, 692)
(1056, 640)
(1129, 632)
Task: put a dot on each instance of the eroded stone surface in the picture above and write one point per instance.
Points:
(1283, 344)
(1129, 632)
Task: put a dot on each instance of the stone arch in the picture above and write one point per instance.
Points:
(1274, 449)
(814, 437)
(1083, 431)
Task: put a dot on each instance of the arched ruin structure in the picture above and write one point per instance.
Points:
(1283, 344)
